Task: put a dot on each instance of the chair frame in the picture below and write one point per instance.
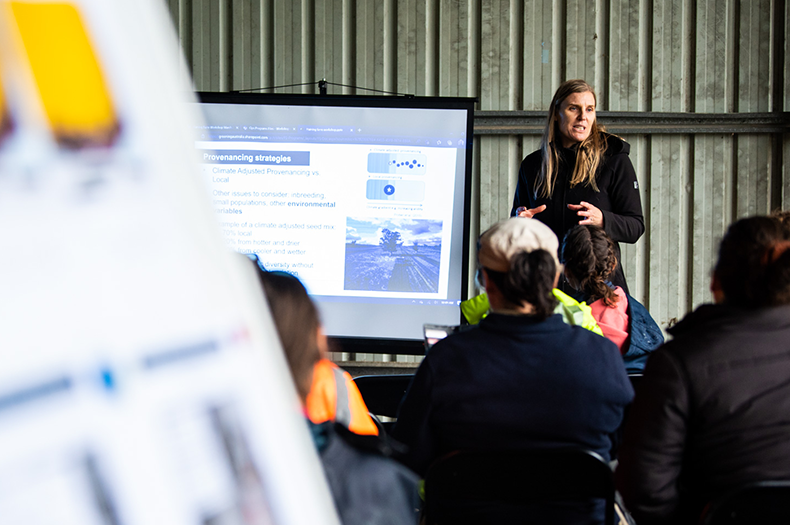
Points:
(727, 509)
(383, 393)
(519, 477)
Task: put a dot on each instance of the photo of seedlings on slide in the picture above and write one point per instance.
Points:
(393, 255)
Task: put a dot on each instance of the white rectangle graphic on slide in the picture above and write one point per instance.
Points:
(395, 190)
(397, 163)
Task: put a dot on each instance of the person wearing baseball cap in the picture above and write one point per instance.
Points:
(520, 379)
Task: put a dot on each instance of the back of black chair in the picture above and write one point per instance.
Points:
(635, 378)
(465, 482)
(763, 502)
(383, 393)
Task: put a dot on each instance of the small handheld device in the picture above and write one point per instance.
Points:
(435, 332)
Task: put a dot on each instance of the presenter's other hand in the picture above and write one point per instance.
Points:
(591, 214)
(523, 211)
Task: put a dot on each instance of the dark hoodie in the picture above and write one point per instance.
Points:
(712, 412)
(618, 196)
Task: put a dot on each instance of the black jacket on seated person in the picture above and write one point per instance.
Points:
(368, 487)
(510, 383)
(712, 413)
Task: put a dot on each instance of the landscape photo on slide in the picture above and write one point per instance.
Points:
(393, 255)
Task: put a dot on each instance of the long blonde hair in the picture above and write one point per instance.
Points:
(590, 153)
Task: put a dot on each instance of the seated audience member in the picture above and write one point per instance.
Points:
(713, 409)
(572, 311)
(589, 258)
(521, 378)
(367, 486)
(333, 395)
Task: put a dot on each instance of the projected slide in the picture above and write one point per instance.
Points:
(364, 204)
(290, 207)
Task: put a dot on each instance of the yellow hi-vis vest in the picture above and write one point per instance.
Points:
(573, 312)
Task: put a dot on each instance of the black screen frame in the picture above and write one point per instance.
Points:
(368, 344)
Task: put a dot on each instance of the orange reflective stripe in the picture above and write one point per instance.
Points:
(361, 423)
(322, 399)
(335, 397)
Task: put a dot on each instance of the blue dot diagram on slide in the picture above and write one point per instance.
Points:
(396, 164)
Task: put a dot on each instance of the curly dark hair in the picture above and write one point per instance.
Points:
(589, 259)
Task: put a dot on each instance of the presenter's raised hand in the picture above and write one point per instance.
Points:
(591, 214)
(523, 211)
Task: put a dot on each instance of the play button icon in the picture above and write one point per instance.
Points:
(389, 189)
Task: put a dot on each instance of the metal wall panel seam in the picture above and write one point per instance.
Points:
(473, 60)
(349, 48)
(514, 162)
(267, 44)
(405, 48)
(713, 42)
(515, 63)
(240, 36)
(646, 53)
(307, 73)
(489, 58)
(623, 65)
(786, 172)
(432, 14)
(452, 49)
(689, 229)
(217, 48)
(753, 61)
(185, 30)
(202, 58)
(690, 54)
(778, 36)
(390, 45)
(323, 63)
(601, 46)
(639, 149)
(225, 45)
(647, 207)
(256, 59)
(486, 146)
(474, 215)
(786, 65)
(776, 172)
(559, 26)
(580, 40)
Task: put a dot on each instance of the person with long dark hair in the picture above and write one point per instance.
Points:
(589, 258)
(713, 408)
(368, 487)
(581, 174)
(522, 378)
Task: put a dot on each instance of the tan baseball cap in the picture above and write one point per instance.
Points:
(514, 235)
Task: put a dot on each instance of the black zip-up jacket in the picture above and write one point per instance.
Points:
(617, 198)
(711, 413)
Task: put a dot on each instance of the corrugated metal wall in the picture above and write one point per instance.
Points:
(724, 61)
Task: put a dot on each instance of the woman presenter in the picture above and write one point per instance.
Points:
(581, 175)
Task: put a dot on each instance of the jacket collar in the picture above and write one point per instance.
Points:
(720, 316)
(515, 323)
